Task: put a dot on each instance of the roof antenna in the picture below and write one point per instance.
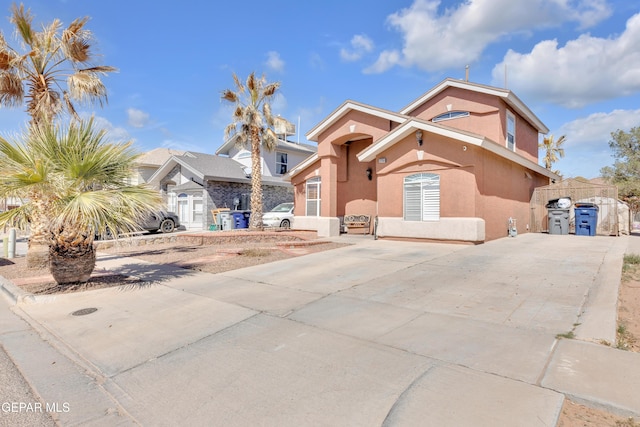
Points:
(466, 73)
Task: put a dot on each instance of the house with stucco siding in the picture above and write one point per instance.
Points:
(459, 163)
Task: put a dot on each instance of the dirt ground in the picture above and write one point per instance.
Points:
(216, 258)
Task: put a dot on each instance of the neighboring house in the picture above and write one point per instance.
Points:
(274, 163)
(148, 163)
(456, 164)
(193, 184)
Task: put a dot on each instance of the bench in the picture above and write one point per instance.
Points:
(358, 221)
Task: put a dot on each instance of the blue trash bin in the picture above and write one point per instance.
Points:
(586, 219)
(239, 220)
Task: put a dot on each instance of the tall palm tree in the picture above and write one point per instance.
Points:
(553, 150)
(75, 180)
(253, 125)
(52, 70)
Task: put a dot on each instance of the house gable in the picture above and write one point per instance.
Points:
(507, 96)
(337, 118)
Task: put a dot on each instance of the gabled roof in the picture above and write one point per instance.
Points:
(158, 156)
(347, 106)
(209, 167)
(226, 147)
(412, 125)
(204, 166)
(509, 97)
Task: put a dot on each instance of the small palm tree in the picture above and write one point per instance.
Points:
(253, 125)
(73, 180)
(553, 150)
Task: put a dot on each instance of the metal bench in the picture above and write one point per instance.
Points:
(358, 221)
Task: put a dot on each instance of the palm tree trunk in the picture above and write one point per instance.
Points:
(72, 255)
(255, 220)
(38, 247)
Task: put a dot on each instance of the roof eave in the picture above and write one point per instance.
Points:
(300, 167)
(406, 129)
(509, 97)
(343, 109)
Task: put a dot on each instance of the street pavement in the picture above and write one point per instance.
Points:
(376, 333)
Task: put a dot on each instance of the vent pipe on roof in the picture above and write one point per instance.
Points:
(466, 73)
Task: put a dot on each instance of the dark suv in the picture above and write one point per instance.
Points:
(165, 222)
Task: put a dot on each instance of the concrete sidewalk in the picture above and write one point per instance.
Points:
(378, 333)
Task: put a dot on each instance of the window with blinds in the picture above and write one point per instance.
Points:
(313, 197)
(422, 197)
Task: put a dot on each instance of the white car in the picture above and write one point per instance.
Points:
(280, 216)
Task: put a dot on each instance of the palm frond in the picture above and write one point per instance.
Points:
(229, 95)
(18, 217)
(22, 20)
(85, 86)
(238, 83)
(251, 82)
(11, 89)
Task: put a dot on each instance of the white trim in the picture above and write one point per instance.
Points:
(409, 127)
(166, 168)
(300, 167)
(347, 106)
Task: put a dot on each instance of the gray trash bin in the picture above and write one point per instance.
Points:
(558, 213)
(558, 221)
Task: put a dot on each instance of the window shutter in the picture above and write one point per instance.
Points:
(412, 202)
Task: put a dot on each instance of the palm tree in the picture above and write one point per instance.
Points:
(75, 180)
(553, 150)
(253, 125)
(52, 71)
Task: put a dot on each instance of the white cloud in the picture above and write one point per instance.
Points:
(274, 62)
(360, 45)
(587, 146)
(435, 40)
(114, 133)
(595, 130)
(137, 118)
(386, 60)
(584, 70)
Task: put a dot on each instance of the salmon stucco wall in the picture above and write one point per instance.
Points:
(487, 117)
(357, 194)
(474, 183)
(299, 186)
(439, 155)
(352, 126)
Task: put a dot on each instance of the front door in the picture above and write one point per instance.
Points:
(190, 211)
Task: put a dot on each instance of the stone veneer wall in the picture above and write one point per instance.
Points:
(221, 195)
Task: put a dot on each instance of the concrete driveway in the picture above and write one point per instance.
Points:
(377, 333)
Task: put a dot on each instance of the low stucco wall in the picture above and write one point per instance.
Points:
(324, 226)
(456, 229)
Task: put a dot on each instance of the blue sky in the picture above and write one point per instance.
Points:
(575, 63)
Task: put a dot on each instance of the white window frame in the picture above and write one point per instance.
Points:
(511, 131)
(450, 115)
(421, 197)
(312, 206)
(279, 164)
